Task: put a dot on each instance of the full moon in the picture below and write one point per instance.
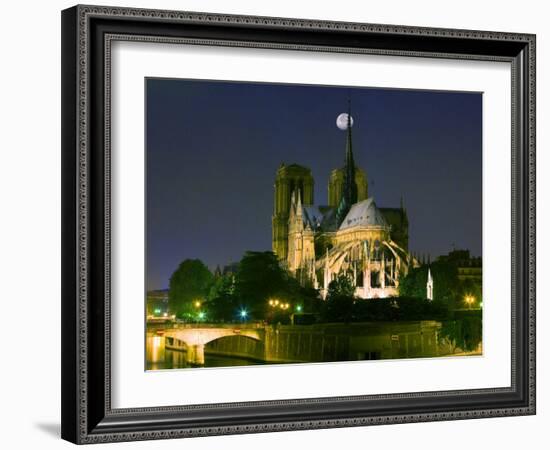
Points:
(342, 121)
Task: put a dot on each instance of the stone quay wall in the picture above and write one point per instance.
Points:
(336, 342)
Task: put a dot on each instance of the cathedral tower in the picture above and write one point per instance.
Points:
(289, 179)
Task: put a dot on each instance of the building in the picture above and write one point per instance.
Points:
(469, 268)
(157, 302)
(350, 235)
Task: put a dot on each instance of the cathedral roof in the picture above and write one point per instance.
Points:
(364, 213)
(312, 216)
(319, 217)
(323, 218)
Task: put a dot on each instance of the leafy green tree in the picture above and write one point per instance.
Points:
(309, 300)
(190, 282)
(222, 304)
(259, 278)
(338, 306)
(421, 309)
(447, 287)
(338, 309)
(471, 333)
(399, 309)
(382, 310)
(414, 283)
(341, 286)
(464, 332)
(222, 286)
(223, 309)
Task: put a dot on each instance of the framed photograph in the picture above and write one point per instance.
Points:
(280, 224)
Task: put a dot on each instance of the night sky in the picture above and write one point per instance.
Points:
(213, 149)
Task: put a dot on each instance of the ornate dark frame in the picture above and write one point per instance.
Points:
(87, 415)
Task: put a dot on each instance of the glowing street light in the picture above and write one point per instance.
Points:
(197, 304)
(243, 314)
(201, 315)
(275, 303)
(299, 308)
(469, 299)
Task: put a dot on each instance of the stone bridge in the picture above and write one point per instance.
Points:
(306, 343)
(193, 338)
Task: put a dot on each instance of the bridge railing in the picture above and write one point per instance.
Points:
(248, 325)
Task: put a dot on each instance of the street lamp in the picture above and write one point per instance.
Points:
(197, 304)
(469, 299)
(243, 314)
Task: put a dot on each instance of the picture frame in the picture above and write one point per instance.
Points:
(87, 413)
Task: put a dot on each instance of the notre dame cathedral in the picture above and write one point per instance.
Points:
(350, 235)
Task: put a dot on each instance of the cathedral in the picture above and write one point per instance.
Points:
(350, 235)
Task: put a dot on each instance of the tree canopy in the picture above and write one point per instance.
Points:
(259, 278)
(447, 286)
(463, 330)
(222, 304)
(190, 282)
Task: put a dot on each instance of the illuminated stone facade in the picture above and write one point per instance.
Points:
(350, 236)
(288, 179)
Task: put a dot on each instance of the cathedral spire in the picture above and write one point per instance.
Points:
(430, 286)
(350, 188)
(349, 194)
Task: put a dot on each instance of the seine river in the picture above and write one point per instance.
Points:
(158, 357)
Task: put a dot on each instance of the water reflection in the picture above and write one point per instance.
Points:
(158, 357)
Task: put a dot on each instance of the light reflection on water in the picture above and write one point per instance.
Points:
(158, 357)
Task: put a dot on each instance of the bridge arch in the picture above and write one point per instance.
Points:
(194, 339)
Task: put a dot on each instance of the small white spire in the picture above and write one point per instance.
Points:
(430, 286)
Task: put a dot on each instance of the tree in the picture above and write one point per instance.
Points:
(464, 332)
(259, 278)
(190, 282)
(222, 304)
(222, 286)
(338, 306)
(341, 286)
(447, 287)
(309, 300)
(414, 283)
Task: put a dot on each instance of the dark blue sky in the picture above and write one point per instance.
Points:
(213, 149)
